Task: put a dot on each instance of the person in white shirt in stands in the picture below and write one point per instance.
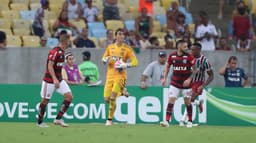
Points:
(73, 8)
(206, 33)
(90, 12)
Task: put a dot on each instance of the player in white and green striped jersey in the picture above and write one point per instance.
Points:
(199, 80)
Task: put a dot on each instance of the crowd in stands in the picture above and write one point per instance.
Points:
(149, 23)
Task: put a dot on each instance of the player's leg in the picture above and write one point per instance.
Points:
(195, 93)
(187, 100)
(66, 92)
(46, 94)
(173, 94)
(116, 89)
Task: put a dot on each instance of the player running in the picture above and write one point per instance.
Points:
(198, 82)
(116, 56)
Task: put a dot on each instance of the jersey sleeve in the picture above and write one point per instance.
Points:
(148, 71)
(52, 55)
(207, 65)
(133, 58)
(169, 61)
(106, 53)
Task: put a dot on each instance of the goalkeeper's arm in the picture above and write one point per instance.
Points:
(133, 63)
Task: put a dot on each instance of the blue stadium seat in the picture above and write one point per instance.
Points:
(52, 42)
(161, 19)
(189, 18)
(95, 25)
(27, 14)
(99, 33)
(183, 9)
(130, 25)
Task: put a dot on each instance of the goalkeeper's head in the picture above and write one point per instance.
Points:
(86, 55)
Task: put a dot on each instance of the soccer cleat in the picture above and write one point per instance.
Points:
(164, 124)
(125, 92)
(200, 106)
(108, 123)
(42, 125)
(189, 125)
(60, 122)
(181, 124)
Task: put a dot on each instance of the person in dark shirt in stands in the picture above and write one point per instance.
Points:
(233, 75)
(82, 40)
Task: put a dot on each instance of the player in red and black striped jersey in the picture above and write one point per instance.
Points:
(182, 63)
(53, 81)
(198, 82)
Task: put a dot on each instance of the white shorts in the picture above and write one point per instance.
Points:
(178, 92)
(47, 89)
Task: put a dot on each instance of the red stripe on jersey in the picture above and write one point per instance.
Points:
(57, 56)
(182, 68)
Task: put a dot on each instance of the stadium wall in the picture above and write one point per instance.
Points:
(27, 65)
(222, 106)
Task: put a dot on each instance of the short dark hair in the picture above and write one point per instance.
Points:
(2, 36)
(68, 54)
(198, 45)
(119, 30)
(86, 55)
(179, 42)
(232, 58)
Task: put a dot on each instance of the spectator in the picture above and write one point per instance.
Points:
(43, 42)
(171, 16)
(147, 4)
(233, 75)
(3, 41)
(90, 12)
(73, 8)
(154, 43)
(89, 70)
(82, 40)
(186, 37)
(154, 71)
(63, 23)
(132, 39)
(144, 24)
(70, 72)
(243, 44)
(110, 38)
(110, 10)
(223, 44)
(241, 21)
(206, 33)
(38, 26)
(181, 26)
(169, 42)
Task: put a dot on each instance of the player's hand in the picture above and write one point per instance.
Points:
(143, 85)
(163, 82)
(105, 60)
(200, 89)
(187, 82)
(56, 83)
(120, 64)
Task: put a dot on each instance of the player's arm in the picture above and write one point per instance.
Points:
(209, 79)
(166, 72)
(52, 73)
(223, 69)
(246, 79)
(106, 56)
(133, 61)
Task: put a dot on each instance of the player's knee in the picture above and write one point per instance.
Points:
(44, 101)
(106, 99)
(68, 96)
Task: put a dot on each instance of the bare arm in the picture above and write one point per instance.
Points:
(209, 79)
(53, 75)
(166, 72)
(223, 69)
(246, 82)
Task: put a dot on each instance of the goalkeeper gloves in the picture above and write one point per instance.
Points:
(121, 65)
(105, 60)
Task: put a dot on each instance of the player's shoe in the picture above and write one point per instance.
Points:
(164, 124)
(60, 122)
(108, 123)
(181, 124)
(125, 92)
(42, 125)
(200, 106)
(189, 125)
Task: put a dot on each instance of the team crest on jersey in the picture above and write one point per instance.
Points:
(238, 74)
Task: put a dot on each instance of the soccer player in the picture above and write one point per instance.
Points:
(53, 81)
(198, 82)
(116, 55)
(184, 70)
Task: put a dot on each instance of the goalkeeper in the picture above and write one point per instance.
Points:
(116, 56)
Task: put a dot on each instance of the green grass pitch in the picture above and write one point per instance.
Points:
(123, 133)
